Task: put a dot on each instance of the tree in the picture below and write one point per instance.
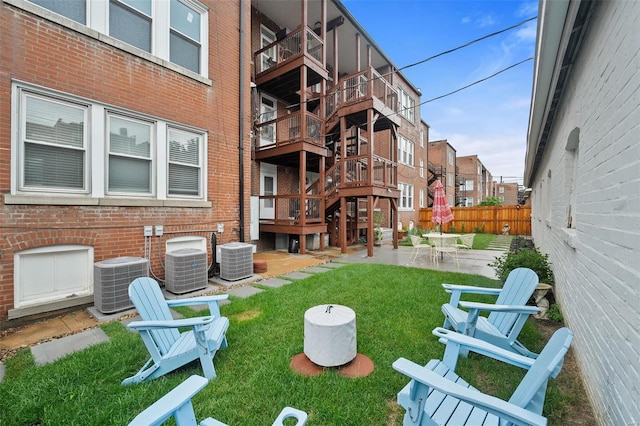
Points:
(490, 201)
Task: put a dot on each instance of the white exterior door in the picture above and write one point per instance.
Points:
(267, 113)
(268, 57)
(268, 186)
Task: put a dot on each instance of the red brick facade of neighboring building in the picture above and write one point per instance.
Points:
(41, 53)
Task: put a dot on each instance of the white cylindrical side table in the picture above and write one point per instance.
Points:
(330, 335)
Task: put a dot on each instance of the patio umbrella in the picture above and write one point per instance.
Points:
(441, 212)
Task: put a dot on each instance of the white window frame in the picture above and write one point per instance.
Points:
(450, 157)
(406, 196)
(421, 168)
(97, 26)
(421, 138)
(421, 198)
(97, 154)
(406, 105)
(406, 150)
(501, 190)
(19, 113)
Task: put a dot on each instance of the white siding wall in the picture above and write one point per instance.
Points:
(597, 265)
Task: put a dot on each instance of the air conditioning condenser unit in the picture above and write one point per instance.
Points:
(236, 261)
(111, 279)
(186, 270)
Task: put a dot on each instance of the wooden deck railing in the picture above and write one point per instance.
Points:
(298, 42)
(287, 129)
(287, 209)
(359, 86)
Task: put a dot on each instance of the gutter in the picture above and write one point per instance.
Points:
(241, 200)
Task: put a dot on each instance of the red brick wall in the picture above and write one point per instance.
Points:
(43, 53)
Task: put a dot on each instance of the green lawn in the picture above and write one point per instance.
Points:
(396, 308)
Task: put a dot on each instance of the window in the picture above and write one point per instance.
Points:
(501, 190)
(421, 198)
(184, 36)
(406, 196)
(469, 202)
(129, 156)
(450, 179)
(405, 151)
(57, 155)
(130, 21)
(75, 10)
(450, 157)
(571, 169)
(421, 138)
(468, 185)
(421, 168)
(406, 105)
(174, 31)
(53, 144)
(185, 168)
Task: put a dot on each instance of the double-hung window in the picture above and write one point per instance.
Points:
(406, 196)
(185, 163)
(407, 105)
(405, 151)
(66, 146)
(130, 156)
(131, 21)
(53, 144)
(174, 30)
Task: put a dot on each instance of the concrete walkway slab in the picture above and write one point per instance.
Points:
(274, 282)
(55, 349)
(244, 292)
(315, 270)
(296, 276)
(333, 265)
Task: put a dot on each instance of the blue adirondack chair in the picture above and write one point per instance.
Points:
(507, 316)
(436, 395)
(170, 348)
(177, 404)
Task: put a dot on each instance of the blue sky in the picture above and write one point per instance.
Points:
(489, 119)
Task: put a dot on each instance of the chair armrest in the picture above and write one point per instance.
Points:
(171, 403)
(291, 413)
(481, 347)
(471, 289)
(502, 409)
(520, 309)
(458, 290)
(186, 322)
(197, 300)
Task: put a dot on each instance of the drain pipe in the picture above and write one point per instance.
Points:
(241, 117)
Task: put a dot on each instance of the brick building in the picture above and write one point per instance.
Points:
(442, 164)
(506, 192)
(110, 125)
(475, 181)
(165, 121)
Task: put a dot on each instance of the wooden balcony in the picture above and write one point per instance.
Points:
(277, 65)
(289, 218)
(359, 92)
(286, 135)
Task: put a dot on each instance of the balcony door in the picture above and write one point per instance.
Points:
(268, 187)
(267, 113)
(268, 57)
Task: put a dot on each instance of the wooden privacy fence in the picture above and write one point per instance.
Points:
(484, 219)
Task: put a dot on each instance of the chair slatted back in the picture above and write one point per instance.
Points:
(531, 391)
(149, 301)
(517, 290)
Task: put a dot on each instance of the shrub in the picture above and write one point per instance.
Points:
(525, 258)
(554, 313)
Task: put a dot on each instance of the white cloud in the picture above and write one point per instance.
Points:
(485, 21)
(527, 9)
(465, 20)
